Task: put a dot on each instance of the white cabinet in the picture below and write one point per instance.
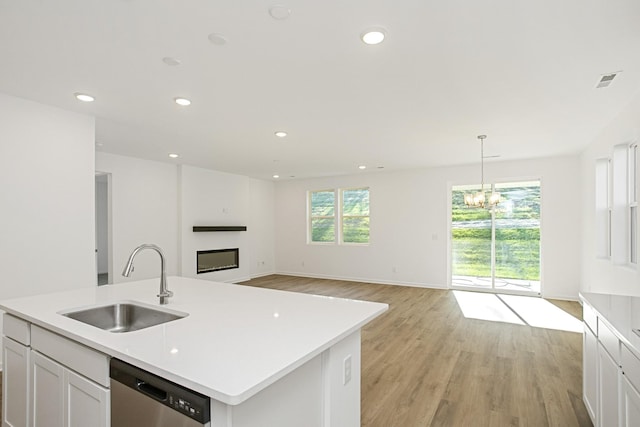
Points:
(62, 398)
(48, 391)
(15, 384)
(611, 374)
(631, 404)
(630, 386)
(608, 402)
(51, 381)
(590, 371)
(87, 404)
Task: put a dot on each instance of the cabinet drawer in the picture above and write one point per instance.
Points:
(589, 317)
(630, 366)
(16, 329)
(609, 340)
(88, 362)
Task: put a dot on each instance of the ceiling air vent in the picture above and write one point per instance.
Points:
(606, 79)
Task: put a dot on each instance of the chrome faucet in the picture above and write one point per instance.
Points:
(164, 292)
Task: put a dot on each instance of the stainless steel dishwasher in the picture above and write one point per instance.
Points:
(142, 399)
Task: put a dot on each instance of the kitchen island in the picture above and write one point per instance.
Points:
(264, 357)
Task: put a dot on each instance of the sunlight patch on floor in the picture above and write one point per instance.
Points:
(519, 310)
(476, 305)
(541, 313)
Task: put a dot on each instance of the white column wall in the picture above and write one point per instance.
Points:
(600, 275)
(410, 225)
(47, 238)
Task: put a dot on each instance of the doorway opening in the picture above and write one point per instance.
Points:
(497, 249)
(104, 265)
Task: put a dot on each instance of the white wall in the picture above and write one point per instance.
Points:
(144, 197)
(599, 275)
(261, 229)
(47, 194)
(216, 198)
(409, 225)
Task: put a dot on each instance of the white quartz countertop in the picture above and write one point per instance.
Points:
(236, 340)
(621, 313)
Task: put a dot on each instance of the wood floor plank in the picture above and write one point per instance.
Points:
(425, 364)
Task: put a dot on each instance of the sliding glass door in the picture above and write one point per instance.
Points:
(497, 249)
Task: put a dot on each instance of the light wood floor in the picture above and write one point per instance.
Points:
(425, 364)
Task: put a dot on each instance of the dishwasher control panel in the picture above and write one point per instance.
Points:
(187, 402)
(190, 408)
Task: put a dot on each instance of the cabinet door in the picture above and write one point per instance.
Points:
(15, 383)
(609, 402)
(48, 390)
(86, 403)
(631, 404)
(590, 372)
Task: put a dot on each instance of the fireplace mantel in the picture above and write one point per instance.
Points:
(200, 228)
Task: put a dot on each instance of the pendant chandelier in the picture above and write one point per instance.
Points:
(479, 199)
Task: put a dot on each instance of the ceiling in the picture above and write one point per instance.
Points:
(522, 72)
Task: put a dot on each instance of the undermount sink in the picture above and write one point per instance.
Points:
(123, 316)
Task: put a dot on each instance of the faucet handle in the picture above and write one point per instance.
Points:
(166, 294)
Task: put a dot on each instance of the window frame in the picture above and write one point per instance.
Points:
(338, 216)
(632, 175)
(342, 216)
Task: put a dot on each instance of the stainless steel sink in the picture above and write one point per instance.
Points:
(123, 316)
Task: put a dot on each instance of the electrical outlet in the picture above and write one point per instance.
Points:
(346, 372)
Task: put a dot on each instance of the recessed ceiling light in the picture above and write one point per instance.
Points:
(276, 176)
(174, 155)
(373, 35)
(182, 101)
(281, 134)
(380, 167)
(279, 12)
(172, 62)
(217, 39)
(84, 97)
(362, 167)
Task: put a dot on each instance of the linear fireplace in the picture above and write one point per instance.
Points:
(217, 259)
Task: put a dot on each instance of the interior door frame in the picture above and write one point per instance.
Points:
(104, 177)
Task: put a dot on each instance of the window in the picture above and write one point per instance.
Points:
(633, 203)
(620, 241)
(497, 249)
(616, 195)
(351, 226)
(603, 209)
(355, 215)
(322, 221)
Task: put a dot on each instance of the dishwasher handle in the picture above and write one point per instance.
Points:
(151, 391)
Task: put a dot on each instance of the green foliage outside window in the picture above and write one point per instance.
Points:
(323, 216)
(354, 215)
